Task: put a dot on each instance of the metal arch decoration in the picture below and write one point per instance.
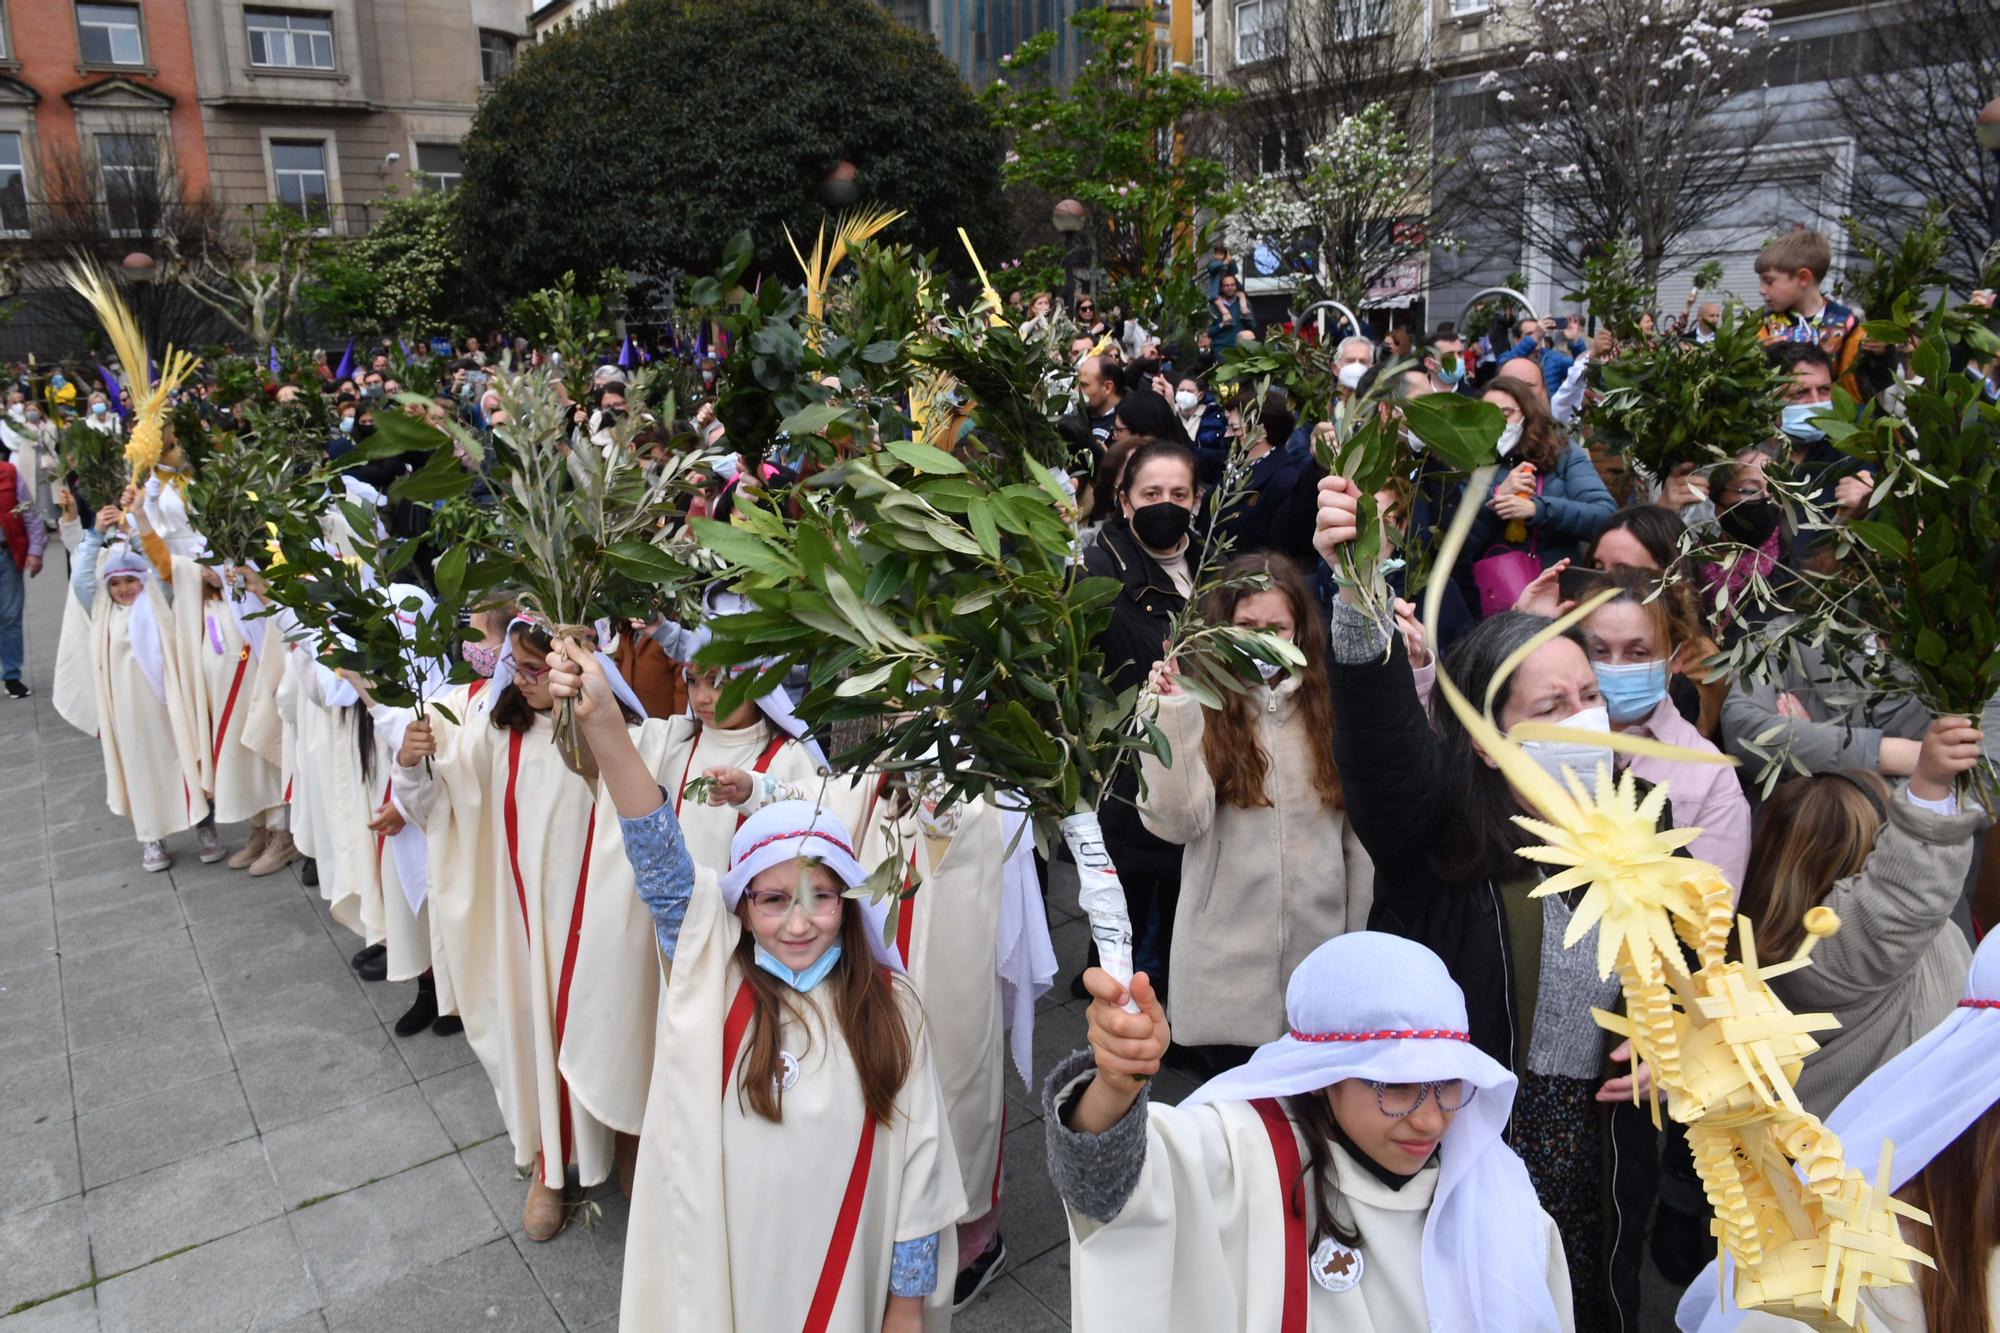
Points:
(1484, 292)
(1318, 307)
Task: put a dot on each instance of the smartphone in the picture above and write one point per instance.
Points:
(1578, 582)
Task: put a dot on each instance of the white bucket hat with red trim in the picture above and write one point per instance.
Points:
(792, 830)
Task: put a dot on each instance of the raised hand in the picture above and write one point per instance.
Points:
(418, 744)
(1950, 747)
(1338, 521)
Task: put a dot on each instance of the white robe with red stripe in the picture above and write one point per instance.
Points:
(732, 1215)
(610, 1065)
(219, 688)
(329, 801)
(151, 773)
(509, 829)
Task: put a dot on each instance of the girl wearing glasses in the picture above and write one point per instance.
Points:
(808, 1179)
(511, 875)
(1351, 1176)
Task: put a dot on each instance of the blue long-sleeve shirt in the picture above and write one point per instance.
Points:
(665, 875)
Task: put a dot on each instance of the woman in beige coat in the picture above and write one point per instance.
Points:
(1270, 869)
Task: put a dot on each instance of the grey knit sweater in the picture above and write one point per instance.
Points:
(1897, 964)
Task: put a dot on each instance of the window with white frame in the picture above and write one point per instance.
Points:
(298, 176)
(109, 35)
(280, 40)
(496, 56)
(440, 167)
(1463, 7)
(1260, 30)
(1354, 19)
(6, 44)
(13, 184)
(128, 169)
(1201, 52)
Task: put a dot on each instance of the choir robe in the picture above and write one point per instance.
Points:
(402, 862)
(732, 1215)
(610, 1065)
(75, 687)
(945, 931)
(1201, 1243)
(151, 773)
(509, 828)
(329, 802)
(240, 781)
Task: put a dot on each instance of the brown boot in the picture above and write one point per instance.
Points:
(625, 1148)
(543, 1215)
(277, 854)
(251, 850)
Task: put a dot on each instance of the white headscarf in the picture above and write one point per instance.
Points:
(1920, 1101)
(784, 832)
(776, 706)
(1375, 1006)
(503, 670)
(142, 628)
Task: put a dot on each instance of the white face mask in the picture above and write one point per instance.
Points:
(1186, 400)
(1270, 671)
(1509, 438)
(1350, 375)
(1580, 758)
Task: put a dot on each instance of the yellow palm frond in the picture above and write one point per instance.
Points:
(148, 400)
(850, 231)
(989, 297)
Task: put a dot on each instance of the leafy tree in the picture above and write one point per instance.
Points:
(251, 274)
(1123, 140)
(406, 273)
(654, 131)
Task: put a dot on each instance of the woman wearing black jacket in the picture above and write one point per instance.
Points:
(1146, 547)
(1436, 817)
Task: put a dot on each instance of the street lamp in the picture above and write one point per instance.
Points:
(1987, 125)
(1068, 217)
(139, 267)
(837, 189)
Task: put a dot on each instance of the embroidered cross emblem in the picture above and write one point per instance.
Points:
(1339, 1264)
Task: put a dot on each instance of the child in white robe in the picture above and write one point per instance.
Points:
(510, 829)
(1350, 1177)
(794, 1036)
(756, 749)
(220, 648)
(151, 773)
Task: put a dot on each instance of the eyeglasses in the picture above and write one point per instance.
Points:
(1397, 1100)
(530, 674)
(771, 905)
(1086, 309)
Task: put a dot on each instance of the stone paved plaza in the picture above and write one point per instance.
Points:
(210, 1125)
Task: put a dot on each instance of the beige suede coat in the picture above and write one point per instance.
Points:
(1261, 887)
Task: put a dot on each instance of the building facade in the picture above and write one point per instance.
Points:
(326, 108)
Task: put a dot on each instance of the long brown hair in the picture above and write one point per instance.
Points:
(1540, 444)
(1960, 1189)
(1315, 1117)
(1810, 833)
(868, 1003)
(1230, 746)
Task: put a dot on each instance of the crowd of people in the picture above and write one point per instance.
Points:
(656, 939)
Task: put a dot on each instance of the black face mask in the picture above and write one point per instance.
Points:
(1750, 523)
(1161, 526)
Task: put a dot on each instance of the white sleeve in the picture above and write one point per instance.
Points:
(1568, 398)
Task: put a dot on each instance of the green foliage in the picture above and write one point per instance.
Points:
(1303, 370)
(1112, 141)
(98, 461)
(243, 494)
(406, 273)
(1667, 401)
(1882, 269)
(651, 132)
(572, 322)
(1616, 289)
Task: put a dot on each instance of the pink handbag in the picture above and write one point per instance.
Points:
(1501, 574)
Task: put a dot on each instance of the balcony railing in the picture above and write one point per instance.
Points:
(36, 226)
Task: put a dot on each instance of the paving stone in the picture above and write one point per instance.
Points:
(582, 1268)
(125, 973)
(465, 1104)
(294, 1019)
(143, 1012)
(27, 928)
(487, 1289)
(493, 1169)
(324, 1073)
(30, 1032)
(353, 1145)
(357, 1242)
(139, 1219)
(149, 1063)
(1007, 1307)
(75, 862)
(1031, 1213)
(1046, 1279)
(36, 1092)
(34, 987)
(47, 1249)
(429, 1053)
(41, 1166)
(252, 1280)
(74, 1313)
(115, 922)
(162, 1128)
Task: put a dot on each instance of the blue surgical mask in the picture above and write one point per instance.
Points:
(798, 981)
(347, 425)
(1452, 372)
(57, 381)
(99, 409)
(1631, 691)
(1797, 421)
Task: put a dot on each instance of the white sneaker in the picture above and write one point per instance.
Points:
(210, 843)
(155, 857)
